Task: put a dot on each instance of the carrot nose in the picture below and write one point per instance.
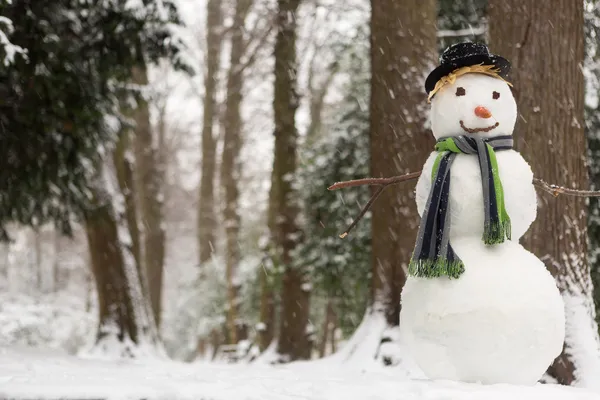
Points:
(482, 112)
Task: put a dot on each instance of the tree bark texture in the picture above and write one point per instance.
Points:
(123, 312)
(545, 43)
(266, 333)
(403, 48)
(123, 163)
(115, 305)
(206, 207)
(293, 341)
(230, 166)
(149, 184)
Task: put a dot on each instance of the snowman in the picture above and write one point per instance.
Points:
(477, 306)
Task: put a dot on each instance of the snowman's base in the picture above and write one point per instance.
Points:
(502, 321)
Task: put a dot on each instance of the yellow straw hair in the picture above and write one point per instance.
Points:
(473, 69)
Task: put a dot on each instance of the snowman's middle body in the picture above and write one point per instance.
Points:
(502, 320)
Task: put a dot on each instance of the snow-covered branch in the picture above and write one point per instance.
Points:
(10, 50)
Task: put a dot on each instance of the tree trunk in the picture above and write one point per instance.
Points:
(37, 238)
(89, 283)
(592, 127)
(266, 329)
(201, 348)
(230, 166)
(124, 316)
(327, 328)
(206, 208)
(403, 49)
(544, 41)
(123, 162)
(149, 185)
(333, 331)
(215, 342)
(4, 273)
(292, 343)
(56, 261)
(318, 91)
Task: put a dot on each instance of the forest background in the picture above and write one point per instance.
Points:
(165, 167)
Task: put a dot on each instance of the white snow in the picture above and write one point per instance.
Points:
(448, 109)
(503, 320)
(582, 339)
(27, 374)
(10, 50)
(466, 193)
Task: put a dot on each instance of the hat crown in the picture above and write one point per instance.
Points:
(466, 54)
(461, 50)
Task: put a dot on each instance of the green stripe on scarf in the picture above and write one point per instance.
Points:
(433, 255)
(493, 233)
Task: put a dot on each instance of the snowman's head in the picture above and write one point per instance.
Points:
(474, 104)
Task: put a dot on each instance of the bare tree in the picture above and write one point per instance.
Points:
(206, 208)
(243, 52)
(230, 164)
(544, 41)
(149, 184)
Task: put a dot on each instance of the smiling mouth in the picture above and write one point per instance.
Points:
(477, 130)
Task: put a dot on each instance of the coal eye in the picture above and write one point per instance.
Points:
(495, 95)
(460, 91)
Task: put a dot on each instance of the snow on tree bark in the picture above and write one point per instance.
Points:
(403, 48)
(150, 199)
(592, 126)
(544, 41)
(206, 208)
(123, 164)
(126, 324)
(295, 294)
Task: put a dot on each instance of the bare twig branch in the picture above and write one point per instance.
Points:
(364, 210)
(385, 182)
(381, 182)
(375, 181)
(260, 43)
(557, 190)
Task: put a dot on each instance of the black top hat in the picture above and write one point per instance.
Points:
(464, 55)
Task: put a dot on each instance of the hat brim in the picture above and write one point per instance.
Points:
(501, 63)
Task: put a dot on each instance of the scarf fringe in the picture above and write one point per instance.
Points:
(495, 233)
(436, 269)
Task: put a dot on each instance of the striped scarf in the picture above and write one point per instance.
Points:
(433, 255)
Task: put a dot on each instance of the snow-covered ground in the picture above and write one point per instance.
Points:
(31, 374)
